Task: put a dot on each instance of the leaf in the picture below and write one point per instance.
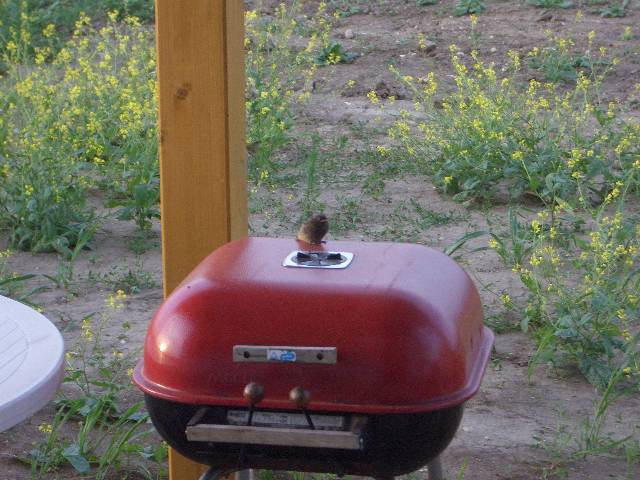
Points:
(596, 372)
(455, 246)
(76, 459)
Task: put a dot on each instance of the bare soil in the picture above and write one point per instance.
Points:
(507, 425)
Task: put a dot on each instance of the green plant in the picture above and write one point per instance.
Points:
(581, 269)
(278, 76)
(467, 7)
(558, 60)
(424, 3)
(489, 138)
(347, 215)
(615, 10)
(13, 285)
(68, 257)
(334, 53)
(310, 197)
(142, 207)
(583, 302)
(130, 278)
(627, 33)
(551, 3)
(109, 437)
(76, 119)
(34, 24)
(344, 8)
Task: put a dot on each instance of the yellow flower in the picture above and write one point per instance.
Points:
(536, 226)
(28, 190)
(49, 30)
(448, 180)
(382, 150)
(45, 428)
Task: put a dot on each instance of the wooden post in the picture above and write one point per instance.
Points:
(202, 146)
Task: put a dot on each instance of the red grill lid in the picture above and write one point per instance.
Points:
(403, 321)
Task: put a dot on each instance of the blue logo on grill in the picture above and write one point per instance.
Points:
(281, 355)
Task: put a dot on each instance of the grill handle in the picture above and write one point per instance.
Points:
(285, 437)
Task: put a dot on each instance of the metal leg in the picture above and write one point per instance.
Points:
(215, 473)
(245, 475)
(435, 469)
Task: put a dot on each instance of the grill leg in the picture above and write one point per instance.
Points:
(215, 473)
(435, 469)
(245, 475)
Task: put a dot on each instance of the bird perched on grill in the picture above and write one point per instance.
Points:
(313, 230)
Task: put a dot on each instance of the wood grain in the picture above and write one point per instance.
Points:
(202, 143)
(202, 149)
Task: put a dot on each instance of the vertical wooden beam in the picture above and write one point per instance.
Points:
(202, 146)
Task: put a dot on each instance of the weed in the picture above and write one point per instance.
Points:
(13, 285)
(347, 216)
(141, 206)
(551, 3)
(127, 278)
(34, 24)
(108, 436)
(627, 33)
(558, 61)
(344, 8)
(583, 301)
(424, 3)
(68, 257)
(266, 475)
(615, 10)
(310, 201)
(468, 7)
(278, 76)
(490, 138)
(54, 151)
(333, 54)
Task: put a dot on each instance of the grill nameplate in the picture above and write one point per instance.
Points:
(283, 354)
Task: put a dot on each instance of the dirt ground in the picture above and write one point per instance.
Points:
(511, 428)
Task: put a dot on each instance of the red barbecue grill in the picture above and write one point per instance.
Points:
(354, 359)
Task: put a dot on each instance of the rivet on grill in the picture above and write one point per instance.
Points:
(320, 356)
(246, 354)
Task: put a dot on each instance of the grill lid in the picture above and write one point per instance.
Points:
(399, 330)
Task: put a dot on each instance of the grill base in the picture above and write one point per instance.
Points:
(394, 444)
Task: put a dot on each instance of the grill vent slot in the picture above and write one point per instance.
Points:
(324, 260)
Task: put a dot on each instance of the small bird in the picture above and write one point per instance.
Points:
(313, 230)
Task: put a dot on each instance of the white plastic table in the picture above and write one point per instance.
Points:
(31, 362)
